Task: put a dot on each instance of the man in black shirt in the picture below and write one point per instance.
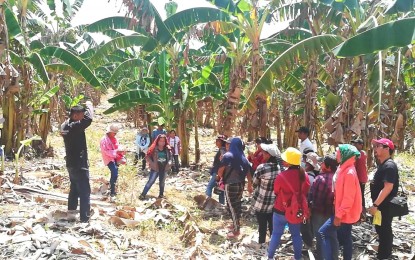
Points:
(73, 133)
(383, 188)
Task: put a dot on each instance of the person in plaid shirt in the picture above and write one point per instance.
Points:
(264, 196)
(321, 198)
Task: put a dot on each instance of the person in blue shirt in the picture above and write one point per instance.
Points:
(158, 131)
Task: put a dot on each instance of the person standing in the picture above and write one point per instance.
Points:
(158, 131)
(73, 133)
(176, 149)
(220, 144)
(303, 134)
(292, 179)
(142, 142)
(112, 154)
(321, 199)
(382, 189)
(233, 171)
(347, 205)
(159, 161)
(361, 168)
(264, 196)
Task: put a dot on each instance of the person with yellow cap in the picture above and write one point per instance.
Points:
(288, 183)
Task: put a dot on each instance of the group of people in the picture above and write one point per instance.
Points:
(321, 196)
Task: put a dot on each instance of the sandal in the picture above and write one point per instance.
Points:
(233, 234)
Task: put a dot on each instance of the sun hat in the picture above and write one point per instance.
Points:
(221, 137)
(314, 160)
(113, 128)
(271, 149)
(384, 141)
(292, 156)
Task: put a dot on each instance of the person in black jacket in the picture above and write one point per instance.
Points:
(73, 133)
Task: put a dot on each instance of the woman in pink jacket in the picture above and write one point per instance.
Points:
(347, 205)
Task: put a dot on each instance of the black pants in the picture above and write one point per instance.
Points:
(79, 188)
(141, 156)
(307, 233)
(175, 159)
(385, 234)
(264, 222)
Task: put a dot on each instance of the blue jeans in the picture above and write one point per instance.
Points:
(211, 184)
(81, 189)
(114, 176)
(330, 246)
(317, 221)
(152, 179)
(278, 222)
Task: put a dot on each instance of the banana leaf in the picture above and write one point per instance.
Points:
(394, 34)
(227, 5)
(127, 65)
(45, 98)
(136, 96)
(13, 26)
(111, 23)
(39, 66)
(397, 6)
(118, 43)
(73, 61)
(61, 68)
(302, 51)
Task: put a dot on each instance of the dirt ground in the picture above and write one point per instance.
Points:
(35, 224)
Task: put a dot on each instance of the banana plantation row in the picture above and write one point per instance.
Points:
(342, 68)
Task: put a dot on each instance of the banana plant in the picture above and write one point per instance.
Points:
(23, 144)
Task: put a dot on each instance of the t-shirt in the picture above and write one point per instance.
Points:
(386, 172)
(162, 160)
(216, 160)
(233, 174)
(361, 167)
(174, 144)
(306, 144)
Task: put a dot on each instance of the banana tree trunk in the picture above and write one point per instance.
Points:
(182, 132)
(197, 146)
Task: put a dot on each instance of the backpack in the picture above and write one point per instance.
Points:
(296, 207)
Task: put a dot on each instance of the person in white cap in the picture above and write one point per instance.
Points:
(112, 154)
(142, 142)
(264, 196)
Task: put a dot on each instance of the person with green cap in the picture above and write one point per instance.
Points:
(347, 205)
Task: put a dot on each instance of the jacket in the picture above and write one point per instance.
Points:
(281, 186)
(142, 146)
(108, 151)
(152, 160)
(347, 195)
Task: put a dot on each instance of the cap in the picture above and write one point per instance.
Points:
(77, 109)
(221, 137)
(229, 140)
(113, 128)
(384, 141)
(303, 129)
(271, 149)
(357, 141)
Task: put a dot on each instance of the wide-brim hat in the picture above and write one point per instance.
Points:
(291, 156)
(271, 149)
(113, 128)
(314, 160)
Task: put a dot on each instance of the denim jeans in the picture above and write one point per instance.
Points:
(114, 176)
(279, 221)
(211, 184)
(81, 189)
(175, 161)
(329, 234)
(152, 178)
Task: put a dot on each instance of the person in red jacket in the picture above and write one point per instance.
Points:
(361, 169)
(257, 157)
(297, 178)
(347, 205)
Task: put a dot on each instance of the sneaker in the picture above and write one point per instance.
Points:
(233, 234)
(142, 197)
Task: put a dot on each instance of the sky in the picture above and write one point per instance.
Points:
(92, 12)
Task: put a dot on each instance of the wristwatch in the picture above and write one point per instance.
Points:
(375, 205)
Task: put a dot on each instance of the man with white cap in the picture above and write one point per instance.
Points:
(264, 196)
(142, 142)
(112, 154)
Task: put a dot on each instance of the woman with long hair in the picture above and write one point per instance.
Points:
(158, 158)
(233, 171)
(293, 179)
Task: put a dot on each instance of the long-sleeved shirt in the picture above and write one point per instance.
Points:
(142, 142)
(361, 167)
(263, 181)
(306, 144)
(73, 133)
(175, 144)
(321, 196)
(109, 149)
